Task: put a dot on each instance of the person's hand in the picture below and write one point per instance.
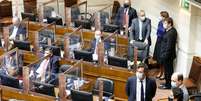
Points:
(129, 29)
(146, 41)
(132, 41)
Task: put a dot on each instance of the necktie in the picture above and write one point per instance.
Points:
(142, 91)
(125, 14)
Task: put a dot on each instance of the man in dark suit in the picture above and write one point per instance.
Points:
(141, 87)
(168, 51)
(17, 29)
(123, 11)
(49, 65)
(140, 30)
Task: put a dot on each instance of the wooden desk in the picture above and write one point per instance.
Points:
(118, 75)
(6, 21)
(28, 57)
(12, 93)
(88, 36)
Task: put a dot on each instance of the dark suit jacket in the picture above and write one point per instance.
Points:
(93, 45)
(168, 45)
(21, 30)
(146, 30)
(120, 16)
(53, 67)
(131, 89)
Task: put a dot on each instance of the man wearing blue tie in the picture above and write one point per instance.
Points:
(141, 87)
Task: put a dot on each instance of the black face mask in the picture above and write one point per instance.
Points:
(126, 5)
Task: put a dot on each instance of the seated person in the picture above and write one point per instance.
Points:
(9, 66)
(48, 65)
(177, 82)
(94, 44)
(16, 29)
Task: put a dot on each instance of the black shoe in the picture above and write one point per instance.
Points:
(161, 78)
(162, 84)
(164, 87)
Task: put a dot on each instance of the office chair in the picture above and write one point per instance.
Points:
(108, 87)
(143, 50)
(192, 82)
(195, 97)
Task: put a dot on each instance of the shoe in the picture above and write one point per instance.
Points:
(164, 87)
(158, 76)
(162, 84)
(162, 77)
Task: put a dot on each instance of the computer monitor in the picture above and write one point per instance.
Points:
(31, 16)
(81, 96)
(47, 89)
(23, 45)
(110, 28)
(9, 81)
(85, 55)
(117, 61)
(55, 19)
(55, 50)
(86, 24)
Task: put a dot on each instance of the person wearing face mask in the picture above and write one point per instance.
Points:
(141, 87)
(176, 84)
(50, 64)
(122, 12)
(168, 51)
(140, 31)
(160, 33)
(94, 44)
(16, 29)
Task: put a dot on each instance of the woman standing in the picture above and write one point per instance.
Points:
(160, 33)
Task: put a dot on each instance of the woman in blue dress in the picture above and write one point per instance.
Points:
(160, 33)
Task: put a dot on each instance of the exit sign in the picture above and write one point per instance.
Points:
(185, 4)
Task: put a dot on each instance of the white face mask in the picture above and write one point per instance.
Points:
(160, 18)
(165, 26)
(139, 75)
(173, 84)
(46, 54)
(97, 37)
(142, 18)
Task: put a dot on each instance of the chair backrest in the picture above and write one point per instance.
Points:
(5, 8)
(142, 50)
(81, 96)
(195, 72)
(195, 97)
(108, 87)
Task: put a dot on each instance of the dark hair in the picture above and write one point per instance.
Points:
(143, 65)
(180, 77)
(164, 14)
(169, 21)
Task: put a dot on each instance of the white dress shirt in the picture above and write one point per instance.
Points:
(138, 89)
(126, 11)
(14, 33)
(42, 68)
(140, 29)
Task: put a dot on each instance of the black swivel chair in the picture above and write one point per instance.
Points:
(195, 97)
(143, 50)
(108, 87)
(81, 96)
